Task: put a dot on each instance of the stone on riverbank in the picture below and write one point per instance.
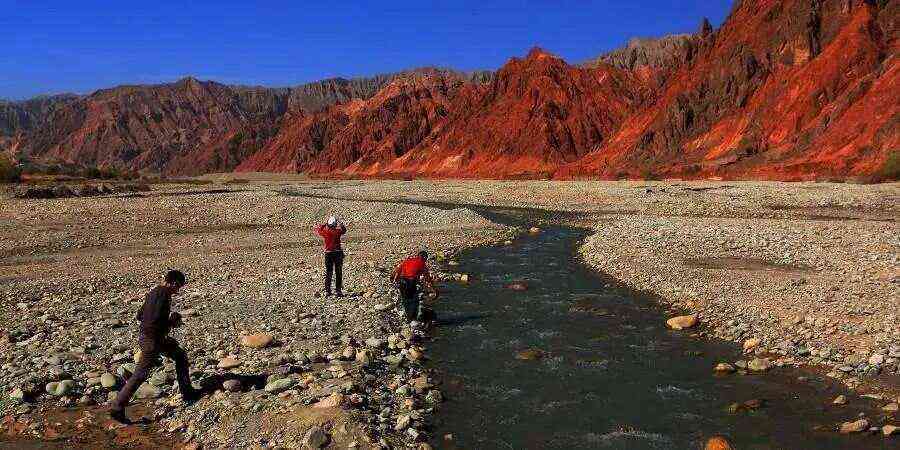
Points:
(751, 344)
(724, 368)
(108, 380)
(228, 362)
(530, 354)
(277, 386)
(854, 427)
(759, 364)
(682, 322)
(259, 340)
(232, 385)
(315, 438)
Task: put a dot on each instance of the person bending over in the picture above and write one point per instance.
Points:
(156, 320)
(409, 275)
(331, 233)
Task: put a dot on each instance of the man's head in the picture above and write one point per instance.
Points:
(332, 221)
(423, 254)
(174, 280)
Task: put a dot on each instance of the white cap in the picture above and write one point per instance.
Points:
(332, 221)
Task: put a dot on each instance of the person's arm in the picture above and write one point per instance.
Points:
(428, 281)
(165, 315)
(343, 228)
(396, 275)
(175, 320)
(320, 230)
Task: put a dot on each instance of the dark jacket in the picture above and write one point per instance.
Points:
(155, 314)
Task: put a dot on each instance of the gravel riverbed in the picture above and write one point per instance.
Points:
(342, 370)
(808, 273)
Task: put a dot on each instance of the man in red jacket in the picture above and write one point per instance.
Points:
(334, 256)
(409, 274)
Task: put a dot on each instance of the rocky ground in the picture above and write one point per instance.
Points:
(807, 273)
(312, 370)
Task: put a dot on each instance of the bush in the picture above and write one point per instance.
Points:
(9, 172)
(890, 170)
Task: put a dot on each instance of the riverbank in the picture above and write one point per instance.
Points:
(749, 258)
(342, 370)
(807, 269)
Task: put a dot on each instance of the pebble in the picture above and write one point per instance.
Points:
(751, 344)
(315, 437)
(840, 400)
(279, 385)
(759, 364)
(60, 388)
(228, 363)
(232, 385)
(890, 430)
(332, 401)
(724, 368)
(147, 391)
(108, 380)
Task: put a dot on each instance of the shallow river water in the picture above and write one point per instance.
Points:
(613, 376)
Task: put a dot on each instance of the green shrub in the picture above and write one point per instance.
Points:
(9, 172)
(890, 170)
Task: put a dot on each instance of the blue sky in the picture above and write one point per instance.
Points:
(80, 46)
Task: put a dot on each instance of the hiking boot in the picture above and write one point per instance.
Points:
(119, 416)
(191, 396)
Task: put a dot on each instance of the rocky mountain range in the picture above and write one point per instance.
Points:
(784, 89)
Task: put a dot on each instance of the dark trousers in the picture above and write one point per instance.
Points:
(409, 296)
(151, 350)
(334, 263)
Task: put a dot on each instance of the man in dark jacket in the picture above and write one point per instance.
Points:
(331, 233)
(156, 320)
(410, 273)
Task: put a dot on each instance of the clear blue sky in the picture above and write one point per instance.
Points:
(80, 46)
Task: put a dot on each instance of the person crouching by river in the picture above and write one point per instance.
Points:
(156, 320)
(409, 275)
(331, 233)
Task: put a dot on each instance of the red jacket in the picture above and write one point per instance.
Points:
(331, 236)
(411, 268)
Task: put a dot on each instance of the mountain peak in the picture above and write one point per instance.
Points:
(537, 53)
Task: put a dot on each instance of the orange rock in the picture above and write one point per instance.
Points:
(717, 443)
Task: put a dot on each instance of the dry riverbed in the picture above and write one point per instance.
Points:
(807, 272)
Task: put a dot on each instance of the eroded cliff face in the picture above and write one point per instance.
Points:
(790, 89)
(784, 90)
(538, 113)
(364, 134)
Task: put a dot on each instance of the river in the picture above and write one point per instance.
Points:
(611, 374)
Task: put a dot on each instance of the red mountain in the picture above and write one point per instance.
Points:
(364, 134)
(785, 89)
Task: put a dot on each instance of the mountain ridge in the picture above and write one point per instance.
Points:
(785, 89)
